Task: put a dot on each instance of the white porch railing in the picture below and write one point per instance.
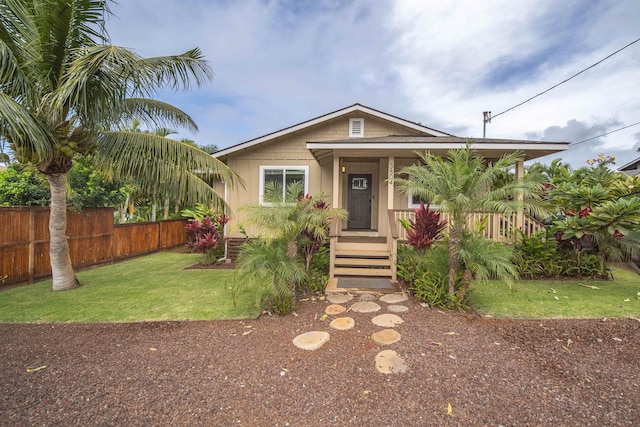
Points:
(499, 227)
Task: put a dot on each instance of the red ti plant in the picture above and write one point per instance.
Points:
(205, 236)
(426, 228)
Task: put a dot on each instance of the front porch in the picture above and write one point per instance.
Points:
(374, 257)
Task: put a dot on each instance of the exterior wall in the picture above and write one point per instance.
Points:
(290, 150)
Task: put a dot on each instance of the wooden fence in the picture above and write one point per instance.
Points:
(93, 240)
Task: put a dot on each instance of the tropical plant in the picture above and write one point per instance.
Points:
(205, 236)
(267, 266)
(465, 183)
(598, 210)
(425, 228)
(65, 91)
(287, 225)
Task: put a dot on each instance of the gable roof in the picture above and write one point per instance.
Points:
(324, 118)
(632, 168)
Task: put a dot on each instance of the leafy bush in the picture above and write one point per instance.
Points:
(266, 265)
(318, 272)
(542, 256)
(426, 273)
(206, 236)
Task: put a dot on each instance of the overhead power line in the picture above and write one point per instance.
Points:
(487, 114)
(573, 144)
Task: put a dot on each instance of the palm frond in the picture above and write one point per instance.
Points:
(154, 113)
(163, 165)
(27, 132)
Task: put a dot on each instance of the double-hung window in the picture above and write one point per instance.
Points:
(274, 181)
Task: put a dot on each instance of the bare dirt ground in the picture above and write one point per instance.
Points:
(248, 373)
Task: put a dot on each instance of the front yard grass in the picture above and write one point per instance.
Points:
(560, 299)
(150, 288)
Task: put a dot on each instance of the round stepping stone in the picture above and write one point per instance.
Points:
(367, 297)
(365, 307)
(393, 298)
(311, 340)
(334, 309)
(386, 337)
(389, 362)
(397, 308)
(342, 323)
(339, 298)
(387, 320)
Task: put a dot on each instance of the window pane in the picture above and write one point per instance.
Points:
(296, 176)
(273, 185)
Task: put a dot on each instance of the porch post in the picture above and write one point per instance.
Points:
(391, 239)
(390, 184)
(335, 202)
(520, 214)
(336, 225)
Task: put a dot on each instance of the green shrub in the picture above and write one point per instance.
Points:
(318, 273)
(540, 256)
(426, 273)
(264, 265)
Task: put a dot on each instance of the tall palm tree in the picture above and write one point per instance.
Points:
(464, 183)
(66, 91)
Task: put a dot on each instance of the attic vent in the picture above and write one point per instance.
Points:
(356, 128)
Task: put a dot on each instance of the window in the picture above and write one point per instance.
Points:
(414, 201)
(356, 128)
(279, 177)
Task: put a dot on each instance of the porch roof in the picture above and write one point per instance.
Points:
(406, 146)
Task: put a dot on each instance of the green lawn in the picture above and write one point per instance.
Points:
(154, 287)
(560, 299)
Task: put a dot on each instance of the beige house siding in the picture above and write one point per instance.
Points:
(290, 150)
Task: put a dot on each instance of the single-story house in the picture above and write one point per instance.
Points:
(350, 155)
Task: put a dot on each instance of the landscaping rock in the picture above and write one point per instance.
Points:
(389, 362)
(386, 337)
(397, 308)
(339, 298)
(393, 298)
(367, 297)
(365, 307)
(334, 309)
(387, 320)
(342, 323)
(311, 340)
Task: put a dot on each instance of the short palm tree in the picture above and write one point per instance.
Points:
(465, 183)
(66, 91)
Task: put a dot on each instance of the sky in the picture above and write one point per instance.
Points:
(440, 63)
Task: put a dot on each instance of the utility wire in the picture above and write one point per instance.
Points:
(573, 144)
(564, 81)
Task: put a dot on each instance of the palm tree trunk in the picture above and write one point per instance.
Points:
(166, 208)
(455, 240)
(61, 268)
(154, 207)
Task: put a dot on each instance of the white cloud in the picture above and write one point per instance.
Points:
(441, 63)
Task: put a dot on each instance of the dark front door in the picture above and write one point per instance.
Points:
(359, 204)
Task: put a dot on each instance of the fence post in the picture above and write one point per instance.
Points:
(32, 245)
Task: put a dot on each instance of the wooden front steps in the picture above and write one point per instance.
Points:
(365, 258)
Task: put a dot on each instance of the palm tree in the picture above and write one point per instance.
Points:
(465, 183)
(65, 91)
(287, 222)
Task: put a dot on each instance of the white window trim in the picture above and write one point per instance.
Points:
(304, 169)
(356, 135)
